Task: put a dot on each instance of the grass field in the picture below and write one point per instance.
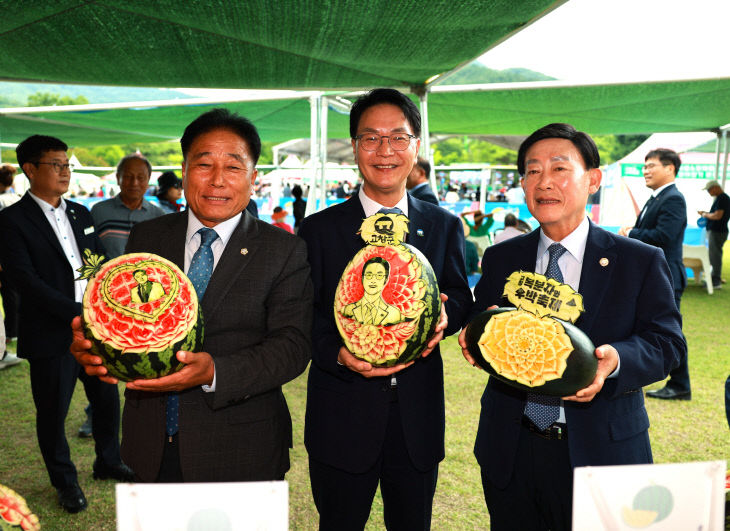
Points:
(680, 431)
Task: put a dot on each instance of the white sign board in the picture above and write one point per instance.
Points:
(203, 506)
(651, 497)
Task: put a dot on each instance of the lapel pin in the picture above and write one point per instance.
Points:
(244, 251)
(419, 232)
(603, 262)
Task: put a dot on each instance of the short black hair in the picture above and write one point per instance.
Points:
(510, 220)
(222, 119)
(376, 260)
(32, 148)
(387, 96)
(665, 156)
(296, 191)
(7, 174)
(127, 158)
(424, 165)
(583, 143)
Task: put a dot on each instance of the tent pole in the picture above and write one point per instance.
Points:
(725, 147)
(486, 175)
(314, 103)
(719, 135)
(323, 108)
(426, 138)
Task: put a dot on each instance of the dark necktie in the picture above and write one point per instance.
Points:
(201, 267)
(543, 410)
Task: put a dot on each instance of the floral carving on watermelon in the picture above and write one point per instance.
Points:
(14, 511)
(140, 327)
(404, 290)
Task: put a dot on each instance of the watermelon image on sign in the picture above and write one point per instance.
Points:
(387, 302)
(138, 310)
(14, 512)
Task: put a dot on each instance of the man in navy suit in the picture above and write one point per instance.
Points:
(366, 425)
(42, 237)
(527, 472)
(417, 182)
(661, 223)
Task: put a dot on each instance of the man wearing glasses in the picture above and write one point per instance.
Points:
(661, 223)
(42, 237)
(364, 425)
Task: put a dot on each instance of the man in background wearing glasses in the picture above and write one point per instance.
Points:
(42, 237)
(364, 425)
(661, 223)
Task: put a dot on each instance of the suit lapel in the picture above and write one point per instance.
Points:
(38, 218)
(353, 216)
(240, 250)
(599, 262)
(419, 226)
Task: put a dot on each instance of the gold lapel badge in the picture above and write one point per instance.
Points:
(603, 262)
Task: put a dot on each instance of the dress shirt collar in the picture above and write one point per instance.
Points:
(422, 185)
(575, 242)
(661, 189)
(224, 229)
(46, 206)
(371, 207)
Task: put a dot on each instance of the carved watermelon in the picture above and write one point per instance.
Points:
(537, 354)
(138, 311)
(14, 512)
(387, 302)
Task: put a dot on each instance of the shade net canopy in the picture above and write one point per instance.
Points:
(251, 44)
(699, 105)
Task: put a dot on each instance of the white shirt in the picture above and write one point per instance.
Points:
(571, 264)
(192, 243)
(58, 218)
(371, 207)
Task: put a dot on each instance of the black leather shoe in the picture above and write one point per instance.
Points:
(667, 393)
(120, 472)
(72, 498)
(85, 429)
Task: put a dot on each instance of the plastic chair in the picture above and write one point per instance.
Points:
(697, 258)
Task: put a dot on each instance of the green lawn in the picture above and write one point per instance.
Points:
(681, 431)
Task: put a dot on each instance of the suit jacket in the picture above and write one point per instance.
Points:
(347, 413)
(33, 258)
(662, 224)
(257, 312)
(629, 304)
(424, 193)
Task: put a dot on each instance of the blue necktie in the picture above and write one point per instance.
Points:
(394, 210)
(543, 410)
(201, 267)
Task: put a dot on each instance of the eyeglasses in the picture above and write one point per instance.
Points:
(58, 167)
(398, 141)
(652, 165)
(370, 276)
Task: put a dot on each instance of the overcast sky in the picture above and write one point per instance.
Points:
(623, 40)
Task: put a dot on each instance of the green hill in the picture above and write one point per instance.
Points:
(478, 73)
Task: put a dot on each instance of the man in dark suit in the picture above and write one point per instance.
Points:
(417, 183)
(527, 472)
(42, 237)
(366, 425)
(233, 423)
(661, 223)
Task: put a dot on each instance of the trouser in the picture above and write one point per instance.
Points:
(539, 496)
(344, 499)
(52, 383)
(679, 377)
(716, 240)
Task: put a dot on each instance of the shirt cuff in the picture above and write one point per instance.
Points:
(614, 374)
(210, 388)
